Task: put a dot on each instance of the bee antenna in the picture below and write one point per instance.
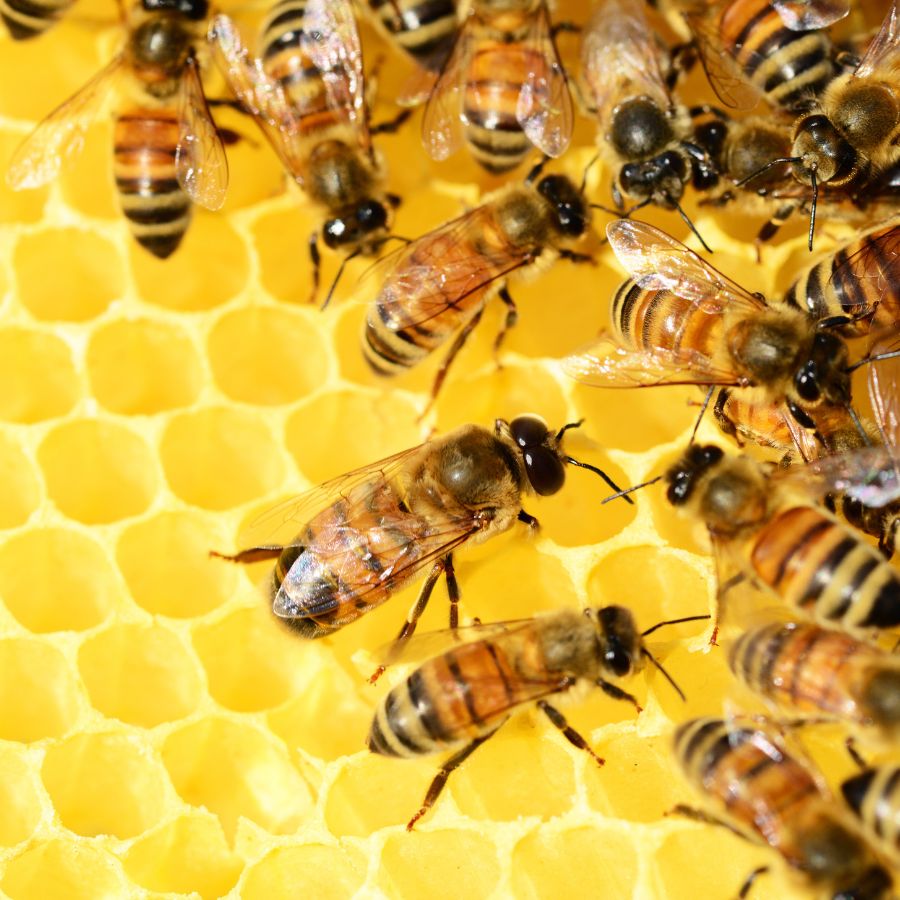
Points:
(536, 170)
(631, 490)
(603, 475)
(567, 427)
(703, 409)
(338, 275)
(812, 209)
(587, 169)
(667, 676)
(673, 622)
(691, 225)
(892, 354)
(766, 167)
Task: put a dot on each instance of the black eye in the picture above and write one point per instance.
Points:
(684, 475)
(334, 232)
(807, 383)
(371, 215)
(529, 431)
(617, 659)
(674, 163)
(568, 205)
(544, 469)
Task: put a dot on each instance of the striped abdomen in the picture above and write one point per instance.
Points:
(157, 209)
(810, 669)
(874, 795)
(789, 67)
(757, 421)
(454, 698)
(814, 563)
(29, 18)
(859, 280)
(425, 29)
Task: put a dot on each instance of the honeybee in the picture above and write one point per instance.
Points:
(306, 93)
(167, 150)
(874, 797)
(457, 700)
(423, 29)
(502, 89)
(438, 285)
(682, 322)
(365, 535)
(768, 796)
(803, 668)
(26, 19)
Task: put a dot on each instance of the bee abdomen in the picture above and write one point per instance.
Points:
(874, 795)
(390, 352)
(423, 28)
(157, 209)
(29, 18)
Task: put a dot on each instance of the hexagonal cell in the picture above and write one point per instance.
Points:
(87, 182)
(105, 784)
(285, 267)
(220, 458)
(236, 770)
(37, 376)
(179, 282)
(165, 561)
(86, 274)
(266, 356)
(142, 675)
(20, 488)
(54, 579)
(20, 801)
(98, 472)
(313, 870)
(39, 696)
(64, 870)
(367, 427)
(573, 862)
(141, 366)
(439, 864)
(187, 856)
(251, 662)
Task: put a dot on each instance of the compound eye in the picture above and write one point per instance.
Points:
(529, 431)
(673, 162)
(544, 469)
(334, 232)
(807, 383)
(616, 658)
(712, 454)
(680, 488)
(371, 215)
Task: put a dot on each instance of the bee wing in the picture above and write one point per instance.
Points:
(730, 84)
(200, 163)
(60, 136)
(659, 262)
(884, 392)
(876, 263)
(884, 51)
(544, 108)
(442, 124)
(619, 57)
(808, 15)
(605, 363)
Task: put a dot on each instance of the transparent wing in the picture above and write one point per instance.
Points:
(544, 108)
(884, 392)
(875, 266)
(808, 15)
(60, 136)
(884, 51)
(442, 125)
(658, 262)
(200, 163)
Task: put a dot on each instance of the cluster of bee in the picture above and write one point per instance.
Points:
(777, 375)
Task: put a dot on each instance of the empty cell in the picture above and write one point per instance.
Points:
(98, 472)
(39, 696)
(220, 458)
(208, 269)
(37, 376)
(285, 267)
(20, 800)
(66, 274)
(577, 862)
(313, 870)
(266, 355)
(64, 869)
(236, 770)
(189, 855)
(20, 489)
(439, 864)
(142, 675)
(141, 367)
(165, 562)
(57, 579)
(105, 784)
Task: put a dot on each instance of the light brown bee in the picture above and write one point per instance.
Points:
(306, 92)
(502, 90)
(25, 19)
(423, 29)
(459, 699)
(764, 794)
(802, 668)
(167, 150)
(874, 797)
(365, 535)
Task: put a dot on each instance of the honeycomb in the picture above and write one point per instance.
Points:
(161, 735)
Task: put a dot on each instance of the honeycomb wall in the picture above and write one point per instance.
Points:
(160, 734)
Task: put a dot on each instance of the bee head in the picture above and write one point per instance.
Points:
(822, 153)
(355, 225)
(618, 641)
(538, 448)
(662, 179)
(195, 10)
(682, 478)
(823, 374)
(570, 212)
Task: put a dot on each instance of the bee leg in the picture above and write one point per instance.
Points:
(391, 126)
(439, 780)
(617, 693)
(723, 420)
(887, 543)
(568, 732)
(700, 815)
(850, 744)
(724, 588)
(565, 28)
(452, 591)
(251, 554)
(316, 259)
(574, 257)
(512, 316)
(529, 520)
(770, 229)
(749, 880)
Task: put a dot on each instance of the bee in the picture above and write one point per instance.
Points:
(679, 321)
(794, 551)
(645, 134)
(306, 93)
(874, 797)
(25, 19)
(769, 796)
(365, 535)
(501, 90)
(457, 700)
(800, 667)
(423, 29)
(167, 150)
(439, 284)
